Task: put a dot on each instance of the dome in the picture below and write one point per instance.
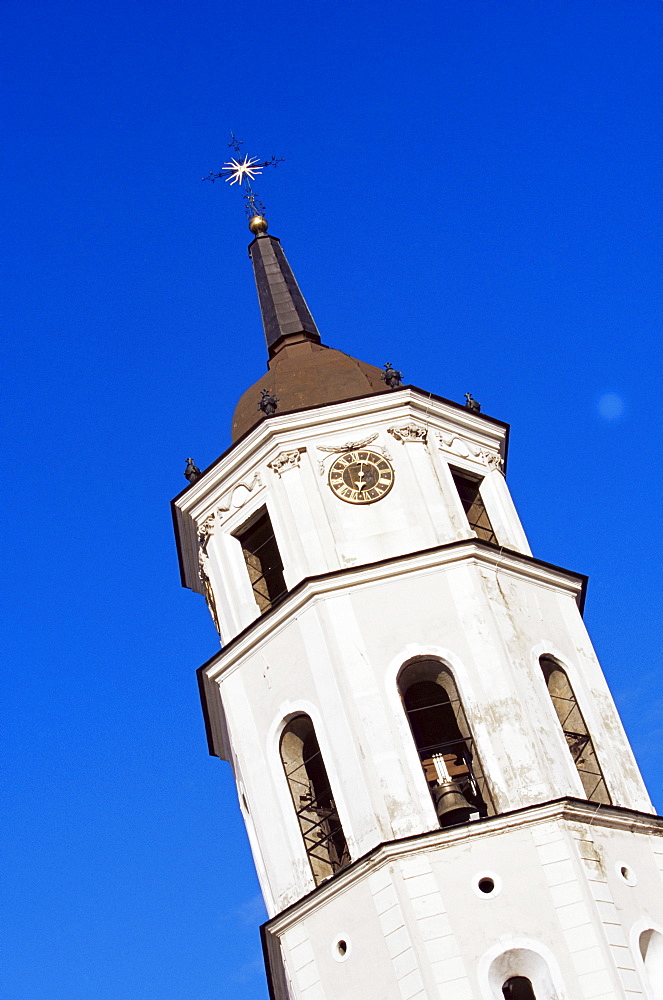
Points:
(304, 374)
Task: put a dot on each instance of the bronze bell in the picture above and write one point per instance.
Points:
(451, 805)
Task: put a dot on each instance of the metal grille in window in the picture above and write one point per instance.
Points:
(473, 505)
(575, 732)
(438, 722)
(324, 840)
(263, 562)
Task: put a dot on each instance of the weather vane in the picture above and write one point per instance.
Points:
(238, 171)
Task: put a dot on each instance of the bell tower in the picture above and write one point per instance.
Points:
(439, 795)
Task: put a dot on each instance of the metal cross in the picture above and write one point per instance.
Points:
(243, 171)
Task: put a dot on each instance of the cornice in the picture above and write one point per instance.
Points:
(313, 587)
(296, 419)
(257, 447)
(563, 810)
(284, 425)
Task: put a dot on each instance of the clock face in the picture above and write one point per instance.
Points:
(361, 477)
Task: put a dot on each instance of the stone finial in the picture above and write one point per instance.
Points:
(268, 402)
(192, 472)
(392, 377)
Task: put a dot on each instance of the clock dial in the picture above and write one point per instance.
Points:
(361, 476)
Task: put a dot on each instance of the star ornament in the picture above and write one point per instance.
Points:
(238, 172)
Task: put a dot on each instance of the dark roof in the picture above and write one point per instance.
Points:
(303, 374)
(284, 311)
(302, 371)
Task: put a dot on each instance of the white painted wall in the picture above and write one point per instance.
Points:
(283, 466)
(336, 658)
(417, 926)
(375, 587)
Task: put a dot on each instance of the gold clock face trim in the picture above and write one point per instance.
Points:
(361, 476)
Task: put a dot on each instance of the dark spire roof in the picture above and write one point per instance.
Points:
(302, 372)
(306, 374)
(284, 311)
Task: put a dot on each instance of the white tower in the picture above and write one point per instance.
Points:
(439, 794)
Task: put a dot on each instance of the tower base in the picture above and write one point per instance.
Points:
(566, 894)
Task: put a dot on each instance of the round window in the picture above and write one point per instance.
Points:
(340, 948)
(486, 885)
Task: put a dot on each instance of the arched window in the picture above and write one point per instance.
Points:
(575, 731)
(263, 561)
(312, 797)
(518, 988)
(521, 974)
(651, 949)
(445, 744)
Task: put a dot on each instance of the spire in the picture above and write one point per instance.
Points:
(284, 311)
(308, 373)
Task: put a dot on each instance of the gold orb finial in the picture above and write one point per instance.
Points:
(258, 224)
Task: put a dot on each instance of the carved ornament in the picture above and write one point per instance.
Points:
(493, 459)
(467, 449)
(209, 593)
(286, 460)
(232, 500)
(349, 445)
(338, 449)
(409, 432)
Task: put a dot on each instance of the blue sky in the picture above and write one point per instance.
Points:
(468, 192)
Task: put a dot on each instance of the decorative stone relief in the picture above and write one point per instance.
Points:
(337, 449)
(493, 459)
(205, 580)
(349, 445)
(240, 493)
(233, 500)
(409, 432)
(467, 449)
(286, 460)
